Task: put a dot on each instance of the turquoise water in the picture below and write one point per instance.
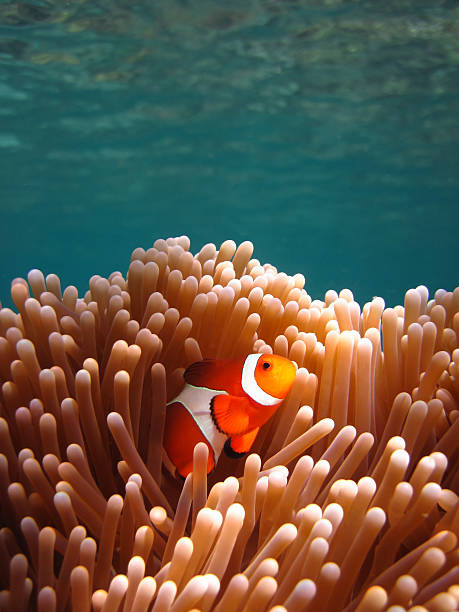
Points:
(325, 132)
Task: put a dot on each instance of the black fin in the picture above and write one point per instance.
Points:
(230, 452)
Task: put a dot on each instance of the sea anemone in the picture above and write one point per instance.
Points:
(347, 502)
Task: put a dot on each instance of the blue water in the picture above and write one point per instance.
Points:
(325, 132)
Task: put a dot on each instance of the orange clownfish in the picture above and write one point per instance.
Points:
(224, 403)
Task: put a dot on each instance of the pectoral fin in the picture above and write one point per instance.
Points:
(229, 414)
(239, 445)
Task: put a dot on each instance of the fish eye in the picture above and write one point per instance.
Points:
(266, 365)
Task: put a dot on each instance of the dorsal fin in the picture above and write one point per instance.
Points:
(200, 371)
(221, 375)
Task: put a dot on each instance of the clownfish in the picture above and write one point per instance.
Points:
(223, 404)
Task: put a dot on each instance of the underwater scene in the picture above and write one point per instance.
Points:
(325, 132)
(229, 318)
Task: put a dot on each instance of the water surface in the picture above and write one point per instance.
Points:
(325, 132)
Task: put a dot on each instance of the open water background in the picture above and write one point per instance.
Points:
(325, 132)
